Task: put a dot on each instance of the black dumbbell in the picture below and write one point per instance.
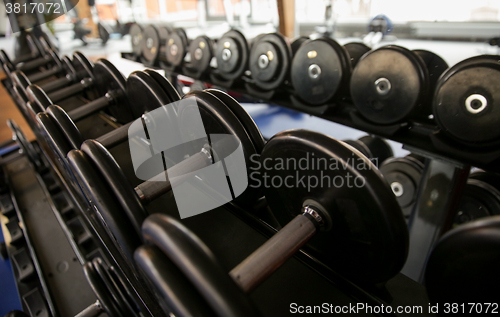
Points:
(392, 84)
(376, 257)
(220, 114)
(465, 102)
(174, 51)
(374, 148)
(201, 52)
(34, 46)
(107, 286)
(463, 267)
(231, 53)
(356, 50)
(403, 175)
(269, 62)
(136, 39)
(26, 146)
(82, 79)
(319, 69)
(64, 67)
(480, 198)
(154, 41)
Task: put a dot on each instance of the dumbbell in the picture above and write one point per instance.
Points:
(372, 245)
(320, 68)
(109, 289)
(136, 39)
(374, 148)
(465, 101)
(269, 62)
(231, 53)
(30, 65)
(173, 53)
(201, 52)
(64, 67)
(220, 114)
(403, 175)
(154, 41)
(480, 198)
(83, 80)
(26, 146)
(392, 84)
(463, 268)
(356, 50)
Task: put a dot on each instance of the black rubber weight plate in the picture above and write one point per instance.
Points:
(317, 71)
(167, 87)
(463, 267)
(465, 103)
(374, 98)
(435, 65)
(234, 66)
(108, 78)
(356, 51)
(219, 119)
(136, 39)
(101, 291)
(176, 49)
(199, 265)
(151, 44)
(82, 66)
(144, 93)
(368, 240)
(66, 125)
(200, 50)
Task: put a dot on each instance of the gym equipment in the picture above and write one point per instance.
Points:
(465, 98)
(218, 117)
(319, 69)
(403, 175)
(231, 53)
(374, 148)
(136, 39)
(373, 244)
(154, 43)
(111, 291)
(480, 198)
(463, 267)
(390, 85)
(436, 66)
(201, 53)
(110, 84)
(356, 50)
(175, 50)
(269, 63)
(26, 146)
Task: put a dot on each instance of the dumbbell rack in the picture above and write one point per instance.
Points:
(315, 281)
(444, 157)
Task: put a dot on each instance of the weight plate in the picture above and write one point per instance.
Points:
(436, 66)
(25, 145)
(403, 176)
(118, 183)
(201, 51)
(368, 239)
(242, 115)
(199, 265)
(83, 66)
(318, 69)
(356, 50)
(108, 79)
(100, 290)
(465, 101)
(136, 39)
(119, 228)
(19, 79)
(232, 55)
(297, 43)
(270, 60)
(167, 87)
(66, 125)
(388, 84)
(44, 38)
(463, 266)
(176, 48)
(360, 146)
(163, 32)
(145, 93)
(38, 97)
(151, 45)
(379, 148)
(117, 295)
(180, 296)
(7, 65)
(219, 119)
(68, 67)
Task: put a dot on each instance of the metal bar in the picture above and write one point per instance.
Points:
(93, 310)
(271, 255)
(34, 64)
(56, 84)
(437, 202)
(90, 108)
(45, 74)
(115, 137)
(70, 91)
